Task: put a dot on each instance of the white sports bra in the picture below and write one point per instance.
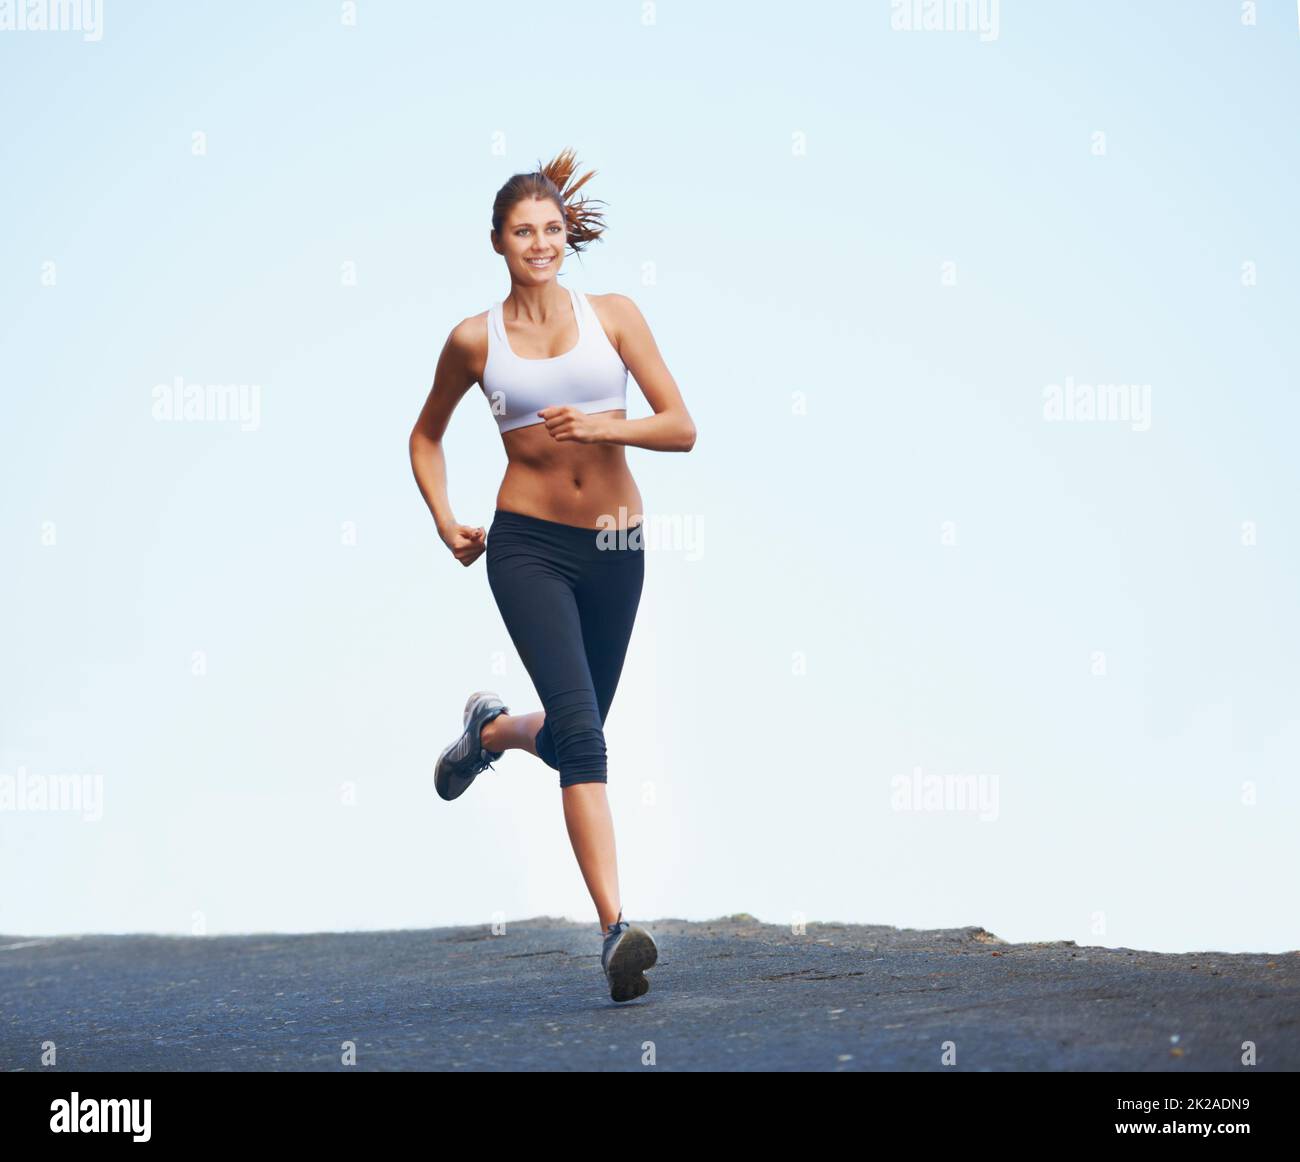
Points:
(590, 376)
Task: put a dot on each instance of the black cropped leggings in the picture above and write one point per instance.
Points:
(568, 596)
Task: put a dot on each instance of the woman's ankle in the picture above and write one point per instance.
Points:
(493, 736)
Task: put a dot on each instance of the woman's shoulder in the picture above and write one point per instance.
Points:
(617, 312)
(468, 342)
(613, 300)
(471, 332)
(620, 316)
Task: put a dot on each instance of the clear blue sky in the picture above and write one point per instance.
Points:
(903, 563)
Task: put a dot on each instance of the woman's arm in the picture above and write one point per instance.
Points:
(451, 380)
(671, 428)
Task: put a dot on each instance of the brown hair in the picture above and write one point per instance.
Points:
(582, 224)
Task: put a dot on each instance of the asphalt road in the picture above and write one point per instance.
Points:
(729, 994)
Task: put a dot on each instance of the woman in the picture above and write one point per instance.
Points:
(565, 560)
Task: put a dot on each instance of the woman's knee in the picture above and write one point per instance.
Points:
(581, 755)
(574, 780)
(544, 744)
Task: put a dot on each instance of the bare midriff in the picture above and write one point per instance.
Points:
(588, 485)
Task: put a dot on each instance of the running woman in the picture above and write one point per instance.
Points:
(565, 557)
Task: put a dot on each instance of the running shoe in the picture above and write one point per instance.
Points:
(629, 950)
(464, 759)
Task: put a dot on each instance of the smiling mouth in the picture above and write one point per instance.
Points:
(540, 262)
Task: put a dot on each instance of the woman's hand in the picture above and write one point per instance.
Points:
(466, 543)
(566, 422)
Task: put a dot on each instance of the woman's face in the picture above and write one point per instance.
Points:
(534, 230)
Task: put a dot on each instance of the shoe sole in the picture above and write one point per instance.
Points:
(442, 783)
(626, 972)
